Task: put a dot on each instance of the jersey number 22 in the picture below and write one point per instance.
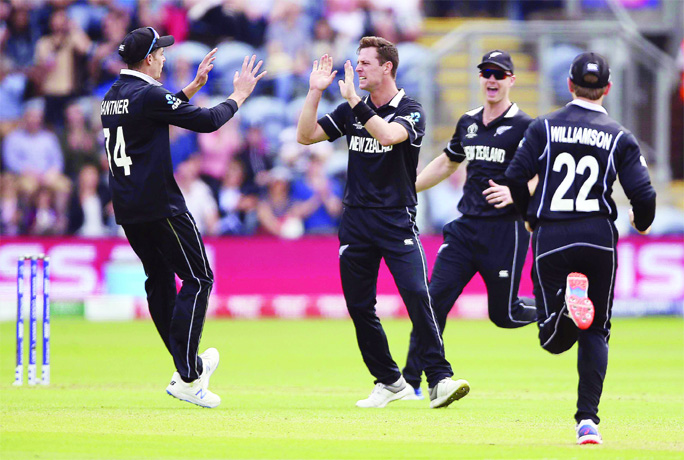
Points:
(121, 160)
(581, 204)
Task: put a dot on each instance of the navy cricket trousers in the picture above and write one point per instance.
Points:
(169, 247)
(366, 236)
(494, 247)
(589, 247)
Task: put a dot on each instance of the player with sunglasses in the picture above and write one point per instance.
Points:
(490, 237)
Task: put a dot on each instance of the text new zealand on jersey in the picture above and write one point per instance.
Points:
(367, 145)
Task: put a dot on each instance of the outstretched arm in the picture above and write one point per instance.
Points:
(435, 172)
(386, 133)
(308, 129)
(161, 105)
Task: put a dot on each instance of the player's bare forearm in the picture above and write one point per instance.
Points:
(308, 129)
(532, 184)
(435, 172)
(386, 133)
(191, 90)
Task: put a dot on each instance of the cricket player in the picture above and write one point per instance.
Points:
(490, 237)
(136, 113)
(384, 132)
(578, 152)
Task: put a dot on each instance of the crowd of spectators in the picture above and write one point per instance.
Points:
(59, 57)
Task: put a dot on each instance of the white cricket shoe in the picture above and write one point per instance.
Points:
(197, 392)
(447, 391)
(384, 394)
(588, 433)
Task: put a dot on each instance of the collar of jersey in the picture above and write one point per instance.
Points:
(392, 103)
(510, 112)
(588, 105)
(142, 76)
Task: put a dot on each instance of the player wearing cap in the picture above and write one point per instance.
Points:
(384, 133)
(578, 152)
(490, 237)
(136, 113)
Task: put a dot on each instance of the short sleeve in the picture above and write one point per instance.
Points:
(454, 149)
(412, 117)
(333, 123)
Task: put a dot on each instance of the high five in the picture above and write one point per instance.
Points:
(384, 132)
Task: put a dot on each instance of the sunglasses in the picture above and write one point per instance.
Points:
(154, 41)
(498, 74)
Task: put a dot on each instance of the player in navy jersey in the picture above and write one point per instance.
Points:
(136, 113)
(384, 132)
(490, 237)
(578, 152)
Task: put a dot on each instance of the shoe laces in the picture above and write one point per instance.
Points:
(377, 389)
(587, 427)
(435, 391)
(376, 394)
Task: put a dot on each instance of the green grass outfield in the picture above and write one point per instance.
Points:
(289, 389)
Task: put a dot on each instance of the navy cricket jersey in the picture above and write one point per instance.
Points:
(377, 176)
(578, 151)
(489, 150)
(136, 113)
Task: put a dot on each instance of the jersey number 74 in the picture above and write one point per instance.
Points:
(121, 160)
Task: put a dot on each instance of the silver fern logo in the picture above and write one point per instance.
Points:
(502, 129)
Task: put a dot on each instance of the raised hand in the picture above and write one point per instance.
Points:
(498, 195)
(347, 89)
(322, 73)
(246, 79)
(205, 67)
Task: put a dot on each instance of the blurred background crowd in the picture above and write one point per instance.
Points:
(59, 57)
